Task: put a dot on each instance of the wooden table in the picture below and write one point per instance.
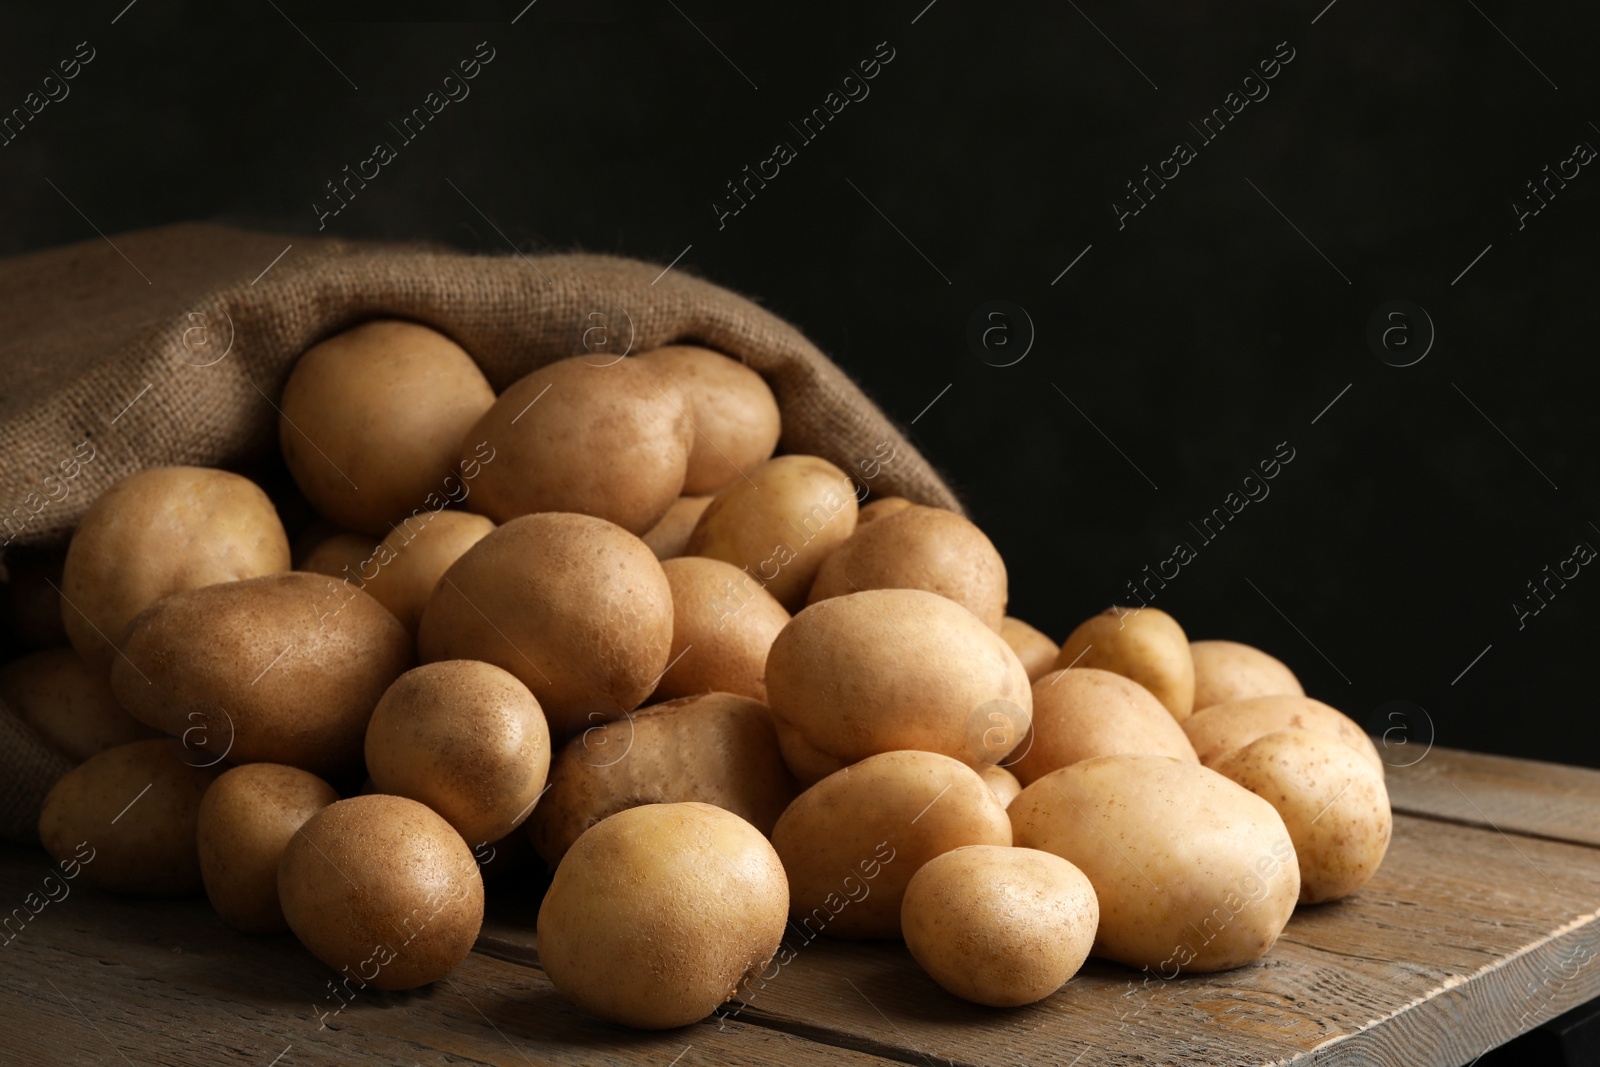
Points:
(1481, 925)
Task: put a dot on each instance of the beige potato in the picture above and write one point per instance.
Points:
(412, 557)
(281, 669)
(1228, 670)
(1192, 872)
(465, 738)
(159, 532)
(372, 420)
(669, 538)
(1036, 651)
(658, 914)
(1333, 802)
(723, 624)
(1000, 926)
(1224, 728)
(852, 842)
(780, 522)
(1145, 644)
(1086, 712)
(129, 816)
(1001, 781)
(716, 748)
(574, 606)
(882, 508)
(247, 819)
(71, 706)
(341, 556)
(381, 889)
(805, 761)
(736, 423)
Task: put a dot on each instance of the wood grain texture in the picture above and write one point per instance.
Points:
(1515, 795)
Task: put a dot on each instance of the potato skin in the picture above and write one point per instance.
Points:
(1086, 712)
(1036, 651)
(805, 761)
(1225, 728)
(408, 563)
(1145, 644)
(723, 624)
(1002, 782)
(340, 556)
(669, 538)
(882, 508)
(71, 705)
(736, 421)
(1228, 670)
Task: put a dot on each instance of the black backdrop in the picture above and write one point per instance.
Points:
(1186, 343)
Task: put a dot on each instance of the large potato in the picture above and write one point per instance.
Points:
(736, 424)
(408, 563)
(1086, 712)
(159, 532)
(1036, 651)
(1224, 728)
(1145, 644)
(70, 704)
(670, 537)
(723, 624)
(1193, 873)
(1228, 670)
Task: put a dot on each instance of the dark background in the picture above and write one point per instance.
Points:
(984, 161)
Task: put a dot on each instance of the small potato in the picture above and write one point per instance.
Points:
(779, 522)
(1228, 670)
(1036, 651)
(920, 548)
(412, 557)
(723, 624)
(246, 821)
(851, 843)
(71, 706)
(1332, 800)
(1000, 926)
(381, 889)
(1086, 712)
(159, 532)
(659, 913)
(1145, 644)
(1225, 728)
(882, 508)
(669, 538)
(129, 816)
(735, 415)
(805, 761)
(340, 556)
(1001, 781)
(465, 738)
(372, 420)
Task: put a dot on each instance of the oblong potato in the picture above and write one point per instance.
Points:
(1228, 670)
(1086, 712)
(736, 422)
(669, 538)
(723, 624)
(1036, 651)
(1145, 644)
(1225, 728)
(70, 704)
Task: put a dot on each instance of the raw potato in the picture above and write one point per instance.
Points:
(246, 821)
(129, 815)
(465, 738)
(1225, 728)
(156, 533)
(576, 607)
(657, 915)
(717, 749)
(1333, 802)
(610, 441)
(1001, 781)
(382, 890)
(372, 421)
(736, 424)
(71, 706)
(1000, 926)
(780, 521)
(1193, 873)
(341, 556)
(1228, 670)
(281, 669)
(723, 623)
(1036, 651)
(1086, 712)
(920, 548)
(851, 842)
(889, 669)
(1145, 644)
(669, 538)
(882, 508)
(408, 563)
(805, 761)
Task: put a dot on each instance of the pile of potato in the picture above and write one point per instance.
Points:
(595, 615)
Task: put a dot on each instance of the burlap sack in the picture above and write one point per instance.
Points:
(170, 346)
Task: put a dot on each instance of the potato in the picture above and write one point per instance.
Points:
(657, 914)
(716, 749)
(889, 669)
(805, 761)
(1192, 872)
(609, 441)
(281, 669)
(71, 706)
(1036, 651)
(246, 821)
(723, 623)
(341, 555)
(129, 815)
(1227, 670)
(1331, 799)
(574, 606)
(409, 561)
(920, 548)
(1145, 644)
(372, 420)
(882, 508)
(1003, 783)
(159, 532)
(1086, 712)
(670, 537)
(382, 890)
(735, 415)
(779, 522)
(999, 926)
(1224, 728)
(465, 738)
(851, 843)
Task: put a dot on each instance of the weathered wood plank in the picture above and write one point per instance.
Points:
(1515, 795)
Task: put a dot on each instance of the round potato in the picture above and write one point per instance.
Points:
(1036, 651)
(71, 706)
(1145, 644)
(882, 508)
(736, 424)
(1001, 781)
(1192, 872)
(412, 557)
(657, 914)
(669, 538)
(1228, 670)
(999, 926)
(1086, 712)
(723, 624)
(156, 533)
(372, 420)
(246, 820)
(851, 842)
(340, 555)
(1224, 728)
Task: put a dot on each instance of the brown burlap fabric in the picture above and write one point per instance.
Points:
(123, 347)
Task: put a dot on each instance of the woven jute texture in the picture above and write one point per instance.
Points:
(172, 345)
